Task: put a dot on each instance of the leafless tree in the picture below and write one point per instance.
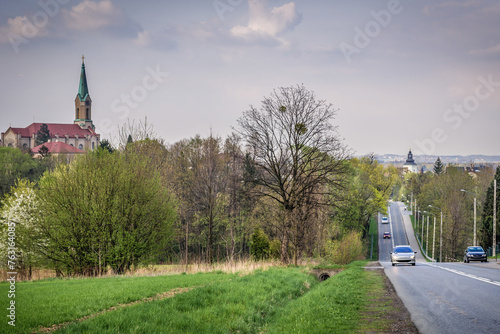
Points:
(299, 157)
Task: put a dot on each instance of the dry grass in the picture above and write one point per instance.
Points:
(243, 267)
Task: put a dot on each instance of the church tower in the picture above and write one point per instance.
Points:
(83, 103)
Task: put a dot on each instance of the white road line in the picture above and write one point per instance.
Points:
(461, 273)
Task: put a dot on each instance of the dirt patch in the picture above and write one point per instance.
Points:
(167, 294)
(386, 312)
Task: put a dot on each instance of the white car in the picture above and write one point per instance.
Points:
(403, 254)
(385, 220)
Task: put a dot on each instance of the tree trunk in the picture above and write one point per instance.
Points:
(284, 249)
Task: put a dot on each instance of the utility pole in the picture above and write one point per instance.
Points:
(427, 241)
(434, 238)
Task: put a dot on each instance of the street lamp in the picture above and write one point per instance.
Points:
(440, 234)
(494, 211)
(423, 224)
(433, 236)
(465, 191)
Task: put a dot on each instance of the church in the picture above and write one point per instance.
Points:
(410, 166)
(78, 136)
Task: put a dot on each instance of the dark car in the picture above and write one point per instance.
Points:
(387, 235)
(475, 253)
(403, 254)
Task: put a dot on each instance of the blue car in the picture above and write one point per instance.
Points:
(475, 253)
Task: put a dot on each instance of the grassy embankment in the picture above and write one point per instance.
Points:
(277, 300)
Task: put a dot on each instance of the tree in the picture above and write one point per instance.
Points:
(367, 193)
(132, 132)
(42, 135)
(105, 209)
(106, 145)
(438, 167)
(457, 207)
(298, 155)
(21, 208)
(486, 229)
(44, 151)
(14, 165)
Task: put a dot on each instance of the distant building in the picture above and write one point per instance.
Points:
(410, 166)
(57, 149)
(81, 134)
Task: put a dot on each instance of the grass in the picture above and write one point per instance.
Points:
(332, 307)
(245, 305)
(54, 301)
(374, 311)
(374, 231)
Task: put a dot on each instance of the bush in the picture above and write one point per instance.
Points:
(259, 245)
(345, 250)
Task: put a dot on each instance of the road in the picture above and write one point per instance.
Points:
(441, 297)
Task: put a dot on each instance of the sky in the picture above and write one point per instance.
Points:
(403, 74)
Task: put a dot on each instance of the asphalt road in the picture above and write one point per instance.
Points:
(441, 297)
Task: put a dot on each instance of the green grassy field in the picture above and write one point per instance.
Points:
(277, 300)
(55, 301)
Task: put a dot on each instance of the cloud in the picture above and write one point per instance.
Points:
(266, 25)
(21, 27)
(92, 15)
(143, 38)
(494, 50)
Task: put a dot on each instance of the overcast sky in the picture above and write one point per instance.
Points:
(404, 74)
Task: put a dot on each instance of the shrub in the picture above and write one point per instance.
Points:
(346, 249)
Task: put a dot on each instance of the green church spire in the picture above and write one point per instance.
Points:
(83, 90)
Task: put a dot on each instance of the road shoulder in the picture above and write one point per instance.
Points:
(385, 312)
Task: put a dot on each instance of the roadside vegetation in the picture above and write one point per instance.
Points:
(451, 191)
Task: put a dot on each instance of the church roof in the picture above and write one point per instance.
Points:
(71, 130)
(57, 148)
(83, 90)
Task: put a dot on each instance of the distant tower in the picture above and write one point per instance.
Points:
(410, 166)
(83, 103)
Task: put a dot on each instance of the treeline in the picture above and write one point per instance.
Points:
(282, 186)
(452, 191)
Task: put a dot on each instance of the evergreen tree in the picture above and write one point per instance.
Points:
(106, 145)
(486, 230)
(43, 135)
(438, 167)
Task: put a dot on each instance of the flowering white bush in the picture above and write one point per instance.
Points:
(21, 207)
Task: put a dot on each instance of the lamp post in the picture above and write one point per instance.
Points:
(422, 235)
(427, 239)
(440, 235)
(494, 211)
(465, 191)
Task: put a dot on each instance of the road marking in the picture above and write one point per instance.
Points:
(461, 273)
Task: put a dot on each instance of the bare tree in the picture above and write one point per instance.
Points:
(298, 155)
(136, 132)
